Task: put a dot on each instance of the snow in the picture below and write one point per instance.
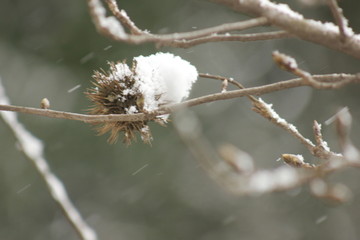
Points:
(300, 157)
(333, 118)
(87, 57)
(163, 78)
(243, 161)
(331, 27)
(280, 120)
(23, 188)
(74, 88)
(318, 187)
(285, 177)
(291, 62)
(131, 110)
(112, 24)
(325, 145)
(267, 181)
(109, 23)
(274, 115)
(128, 91)
(140, 169)
(122, 70)
(284, 8)
(124, 14)
(280, 7)
(107, 47)
(321, 219)
(261, 182)
(351, 153)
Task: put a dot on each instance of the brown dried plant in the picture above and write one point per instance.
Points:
(111, 105)
(111, 95)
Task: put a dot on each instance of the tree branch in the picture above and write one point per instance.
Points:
(116, 29)
(340, 20)
(280, 15)
(237, 172)
(260, 90)
(231, 37)
(33, 151)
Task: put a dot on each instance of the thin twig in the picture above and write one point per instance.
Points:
(280, 15)
(265, 110)
(230, 173)
(33, 151)
(340, 20)
(115, 29)
(124, 18)
(319, 149)
(260, 90)
(289, 64)
(231, 37)
(250, 181)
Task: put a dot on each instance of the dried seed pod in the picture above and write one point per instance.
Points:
(45, 103)
(115, 93)
(152, 81)
(296, 161)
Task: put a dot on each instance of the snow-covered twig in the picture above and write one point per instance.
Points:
(280, 15)
(124, 18)
(33, 150)
(320, 149)
(289, 64)
(266, 110)
(260, 90)
(238, 174)
(115, 29)
(250, 37)
(340, 20)
(292, 24)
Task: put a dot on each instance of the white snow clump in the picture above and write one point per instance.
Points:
(163, 78)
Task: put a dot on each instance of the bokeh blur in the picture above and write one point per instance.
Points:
(49, 48)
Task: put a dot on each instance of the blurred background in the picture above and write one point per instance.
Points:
(50, 49)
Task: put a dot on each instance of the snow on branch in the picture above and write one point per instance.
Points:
(289, 64)
(258, 90)
(340, 20)
(116, 30)
(337, 36)
(235, 169)
(152, 81)
(126, 115)
(126, 98)
(280, 15)
(33, 149)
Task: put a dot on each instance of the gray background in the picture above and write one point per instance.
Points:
(47, 47)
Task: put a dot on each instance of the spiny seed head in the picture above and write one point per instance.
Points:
(114, 92)
(153, 81)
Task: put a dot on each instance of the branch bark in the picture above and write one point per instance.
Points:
(280, 15)
(260, 90)
(115, 28)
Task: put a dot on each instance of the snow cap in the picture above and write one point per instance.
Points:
(163, 78)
